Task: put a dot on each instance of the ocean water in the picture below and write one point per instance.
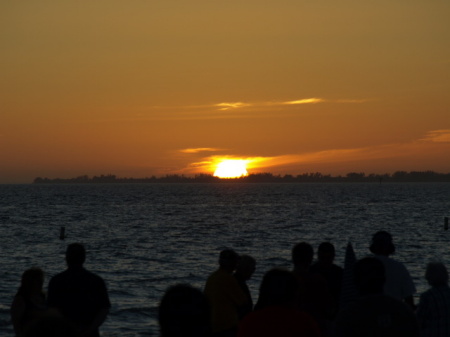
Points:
(143, 238)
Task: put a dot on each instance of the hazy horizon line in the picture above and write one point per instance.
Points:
(318, 175)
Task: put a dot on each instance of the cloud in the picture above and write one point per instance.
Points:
(305, 101)
(235, 105)
(437, 136)
(229, 110)
(266, 162)
(199, 149)
(433, 144)
(200, 164)
(331, 156)
(311, 100)
(326, 156)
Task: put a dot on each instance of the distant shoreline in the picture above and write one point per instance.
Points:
(399, 176)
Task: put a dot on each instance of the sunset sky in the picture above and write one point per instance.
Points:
(148, 87)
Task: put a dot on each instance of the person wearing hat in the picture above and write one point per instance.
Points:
(399, 283)
(225, 296)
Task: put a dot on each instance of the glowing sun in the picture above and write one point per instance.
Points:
(231, 168)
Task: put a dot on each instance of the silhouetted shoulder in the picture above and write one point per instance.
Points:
(78, 275)
(79, 295)
(81, 282)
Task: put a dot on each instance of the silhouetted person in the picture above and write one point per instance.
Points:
(184, 312)
(29, 303)
(329, 271)
(244, 270)
(433, 311)
(315, 297)
(277, 313)
(78, 294)
(225, 296)
(374, 313)
(399, 283)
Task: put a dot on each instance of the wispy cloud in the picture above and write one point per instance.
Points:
(227, 110)
(312, 100)
(238, 105)
(228, 105)
(268, 163)
(199, 149)
(437, 136)
(331, 156)
(305, 101)
(431, 143)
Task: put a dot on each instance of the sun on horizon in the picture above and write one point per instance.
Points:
(231, 168)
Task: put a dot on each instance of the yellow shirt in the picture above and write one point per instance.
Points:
(225, 296)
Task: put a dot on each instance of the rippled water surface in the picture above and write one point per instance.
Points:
(142, 238)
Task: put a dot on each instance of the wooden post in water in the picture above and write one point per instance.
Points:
(446, 223)
(62, 233)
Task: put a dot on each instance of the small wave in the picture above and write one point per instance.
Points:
(145, 311)
(118, 292)
(415, 246)
(161, 279)
(277, 260)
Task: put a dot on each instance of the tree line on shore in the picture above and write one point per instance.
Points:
(399, 176)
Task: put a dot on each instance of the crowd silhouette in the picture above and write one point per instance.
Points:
(372, 296)
(77, 301)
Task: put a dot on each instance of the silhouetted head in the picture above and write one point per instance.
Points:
(369, 276)
(184, 312)
(302, 255)
(75, 255)
(246, 266)
(436, 274)
(278, 287)
(228, 259)
(32, 280)
(382, 244)
(326, 253)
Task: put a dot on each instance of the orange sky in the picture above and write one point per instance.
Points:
(139, 88)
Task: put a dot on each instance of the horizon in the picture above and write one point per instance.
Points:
(150, 88)
(319, 175)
